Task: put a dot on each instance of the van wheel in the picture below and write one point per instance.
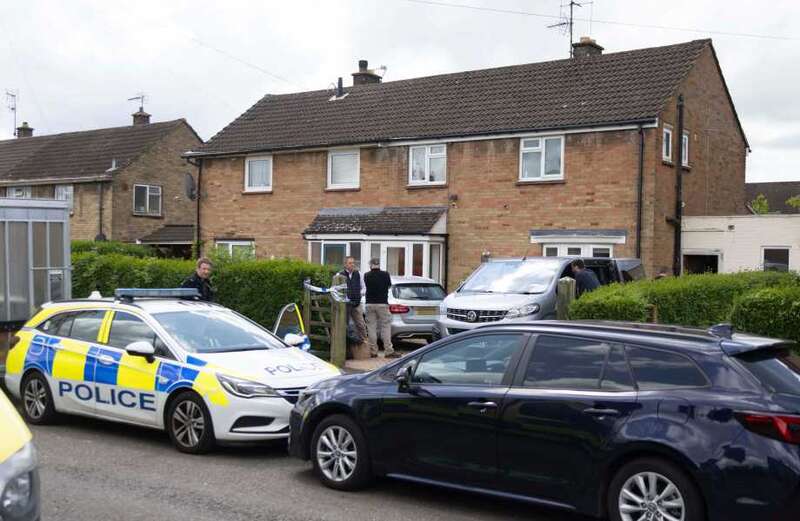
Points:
(654, 490)
(188, 424)
(339, 453)
(37, 400)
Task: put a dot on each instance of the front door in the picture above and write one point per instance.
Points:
(570, 396)
(444, 426)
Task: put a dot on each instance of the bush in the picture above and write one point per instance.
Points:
(773, 312)
(255, 288)
(111, 247)
(690, 300)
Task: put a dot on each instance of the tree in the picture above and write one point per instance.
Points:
(760, 205)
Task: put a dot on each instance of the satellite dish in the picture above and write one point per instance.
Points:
(189, 187)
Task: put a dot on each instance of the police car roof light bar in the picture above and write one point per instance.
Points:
(129, 294)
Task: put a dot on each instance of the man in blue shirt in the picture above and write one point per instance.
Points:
(585, 279)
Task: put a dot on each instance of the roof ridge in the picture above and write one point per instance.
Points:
(83, 132)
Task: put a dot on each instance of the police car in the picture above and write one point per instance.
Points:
(19, 477)
(200, 371)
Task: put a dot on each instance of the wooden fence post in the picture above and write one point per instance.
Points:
(565, 294)
(307, 310)
(339, 320)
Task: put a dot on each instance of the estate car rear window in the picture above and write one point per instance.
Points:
(653, 370)
(216, 332)
(418, 292)
(777, 369)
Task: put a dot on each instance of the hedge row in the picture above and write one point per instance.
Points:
(255, 288)
(110, 247)
(699, 300)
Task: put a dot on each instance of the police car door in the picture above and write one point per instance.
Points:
(128, 391)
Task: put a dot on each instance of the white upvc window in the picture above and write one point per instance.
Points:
(685, 149)
(578, 250)
(18, 192)
(427, 165)
(147, 200)
(343, 168)
(258, 174)
(666, 143)
(65, 193)
(541, 158)
(237, 247)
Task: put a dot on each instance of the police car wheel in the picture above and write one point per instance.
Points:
(37, 400)
(189, 424)
(339, 453)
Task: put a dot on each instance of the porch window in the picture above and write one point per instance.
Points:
(343, 168)
(65, 193)
(578, 250)
(258, 174)
(427, 165)
(18, 192)
(147, 200)
(541, 159)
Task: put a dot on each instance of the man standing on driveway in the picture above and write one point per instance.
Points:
(199, 280)
(354, 308)
(379, 320)
(585, 279)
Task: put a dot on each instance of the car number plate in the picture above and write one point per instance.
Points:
(427, 311)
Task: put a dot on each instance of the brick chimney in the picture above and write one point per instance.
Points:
(140, 117)
(586, 47)
(365, 75)
(24, 130)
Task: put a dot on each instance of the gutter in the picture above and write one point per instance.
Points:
(640, 195)
(55, 180)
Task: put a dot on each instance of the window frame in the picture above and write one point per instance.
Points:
(542, 177)
(67, 194)
(228, 244)
(511, 370)
(147, 212)
(788, 251)
(258, 189)
(562, 249)
(344, 152)
(685, 139)
(666, 155)
(428, 156)
(26, 189)
(628, 345)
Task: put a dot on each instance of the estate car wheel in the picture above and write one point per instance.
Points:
(189, 424)
(339, 454)
(650, 489)
(37, 400)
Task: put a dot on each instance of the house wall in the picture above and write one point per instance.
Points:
(85, 218)
(163, 166)
(714, 183)
(488, 209)
(739, 240)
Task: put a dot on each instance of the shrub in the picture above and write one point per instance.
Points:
(773, 312)
(255, 288)
(612, 303)
(111, 247)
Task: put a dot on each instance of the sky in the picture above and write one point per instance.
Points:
(74, 64)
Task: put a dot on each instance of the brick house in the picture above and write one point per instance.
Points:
(569, 157)
(124, 183)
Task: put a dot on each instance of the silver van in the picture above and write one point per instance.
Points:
(519, 289)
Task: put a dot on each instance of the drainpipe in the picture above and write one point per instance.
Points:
(100, 235)
(676, 261)
(198, 193)
(640, 195)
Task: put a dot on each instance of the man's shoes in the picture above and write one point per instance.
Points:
(393, 354)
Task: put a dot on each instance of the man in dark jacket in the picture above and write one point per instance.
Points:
(379, 319)
(199, 280)
(585, 279)
(354, 308)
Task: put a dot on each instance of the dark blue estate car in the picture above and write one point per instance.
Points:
(633, 421)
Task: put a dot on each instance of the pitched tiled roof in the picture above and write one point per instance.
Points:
(392, 220)
(170, 233)
(614, 88)
(776, 194)
(77, 156)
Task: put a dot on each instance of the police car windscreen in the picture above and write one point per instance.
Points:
(531, 276)
(215, 332)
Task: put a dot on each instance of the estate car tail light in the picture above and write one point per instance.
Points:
(398, 309)
(781, 427)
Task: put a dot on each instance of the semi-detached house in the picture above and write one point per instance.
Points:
(582, 156)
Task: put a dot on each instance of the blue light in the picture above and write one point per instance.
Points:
(133, 293)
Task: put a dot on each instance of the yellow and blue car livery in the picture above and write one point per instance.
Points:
(19, 478)
(85, 351)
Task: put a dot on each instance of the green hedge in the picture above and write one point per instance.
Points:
(255, 288)
(691, 300)
(111, 247)
(772, 312)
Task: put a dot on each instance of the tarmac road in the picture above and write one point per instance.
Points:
(98, 471)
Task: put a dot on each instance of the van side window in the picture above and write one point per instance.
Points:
(653, 370)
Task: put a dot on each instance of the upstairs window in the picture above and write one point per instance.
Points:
(541, 159)
(258, 174)
(685, 149)
(18, 192)
(147, 200)
(666, 144)
(343, 168)
(427, 165)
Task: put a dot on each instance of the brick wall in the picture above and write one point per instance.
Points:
(163, 166)
(84, 221)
